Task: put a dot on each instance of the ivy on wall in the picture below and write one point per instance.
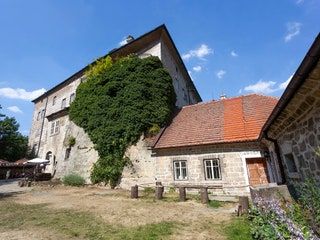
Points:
(119, 102)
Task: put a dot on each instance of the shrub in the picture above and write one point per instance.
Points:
(73, 180)
(309, 198)
(278, 219)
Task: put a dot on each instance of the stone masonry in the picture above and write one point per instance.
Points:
(297, 130)
(234, 177)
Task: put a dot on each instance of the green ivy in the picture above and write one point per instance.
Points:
(119, 102)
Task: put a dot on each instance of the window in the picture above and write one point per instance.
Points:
(71, 97)
(212, 169)
(39, 115)
(49, 156)
(67, 155)
(180, 170)
(54, 99)
(291, 165)
(64, 103)
(42, 113)
(54, 127)
(34, 148)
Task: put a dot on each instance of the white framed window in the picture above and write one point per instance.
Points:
(54, 128)
(180, 170)
(64, 103)
(212, 169)
(72, 96)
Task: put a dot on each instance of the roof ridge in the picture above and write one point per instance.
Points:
(229, 99)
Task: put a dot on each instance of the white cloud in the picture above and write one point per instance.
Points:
(197, 68)
(220, 74)
(14, 109)
(293, 29)
(284, 84)
(123, 41)
(234, 54)
(261, 87)
(20, 93)
(200, 52)
(266, 87)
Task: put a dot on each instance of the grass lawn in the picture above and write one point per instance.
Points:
(74, 223)
(91, 213)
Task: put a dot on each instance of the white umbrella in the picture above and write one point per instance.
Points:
(38, 161)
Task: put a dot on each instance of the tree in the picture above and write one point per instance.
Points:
(13, 145)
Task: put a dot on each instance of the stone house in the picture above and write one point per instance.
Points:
(292, 132)
(52, 130)
(216, 144)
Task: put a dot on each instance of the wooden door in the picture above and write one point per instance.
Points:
(257, 171)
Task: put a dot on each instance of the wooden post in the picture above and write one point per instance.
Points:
(204, 195)
(182, 194)
(134, 191)
(243, 205)
(159, 192)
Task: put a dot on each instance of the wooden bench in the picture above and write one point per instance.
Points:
(203, 191)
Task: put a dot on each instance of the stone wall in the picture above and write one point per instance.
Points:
(297, 130)
(232, 158)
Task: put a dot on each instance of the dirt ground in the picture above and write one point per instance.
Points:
(115, 207)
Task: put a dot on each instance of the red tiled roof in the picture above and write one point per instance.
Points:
(229, 120)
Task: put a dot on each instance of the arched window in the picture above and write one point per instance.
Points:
(49, 155)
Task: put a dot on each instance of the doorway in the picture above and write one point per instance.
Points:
(257, 171)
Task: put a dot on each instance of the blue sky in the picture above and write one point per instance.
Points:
(232, 47)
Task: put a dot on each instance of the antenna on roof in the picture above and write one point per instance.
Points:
(129, 39)
(223, 96)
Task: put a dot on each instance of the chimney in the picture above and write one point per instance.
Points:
(129, 39)
(223, 96)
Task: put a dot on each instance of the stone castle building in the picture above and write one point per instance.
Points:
(228, 145)
(51, 128)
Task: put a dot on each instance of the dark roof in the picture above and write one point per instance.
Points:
(307, 65)
(131, 47)
(237, 119)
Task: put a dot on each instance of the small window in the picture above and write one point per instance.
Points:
(180, 170)
(64, 103)
(212, 169)
(72, 97)
(34, 148)
(42, 113)
(291, 165)
(54, 100)
(67, 155)
(39, 115)
(54, 129)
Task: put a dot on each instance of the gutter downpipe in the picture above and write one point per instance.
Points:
(277, 151)
(42, 124)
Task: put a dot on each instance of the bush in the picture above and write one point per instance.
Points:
(309, 200)
(278, 219)
(73, 180)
